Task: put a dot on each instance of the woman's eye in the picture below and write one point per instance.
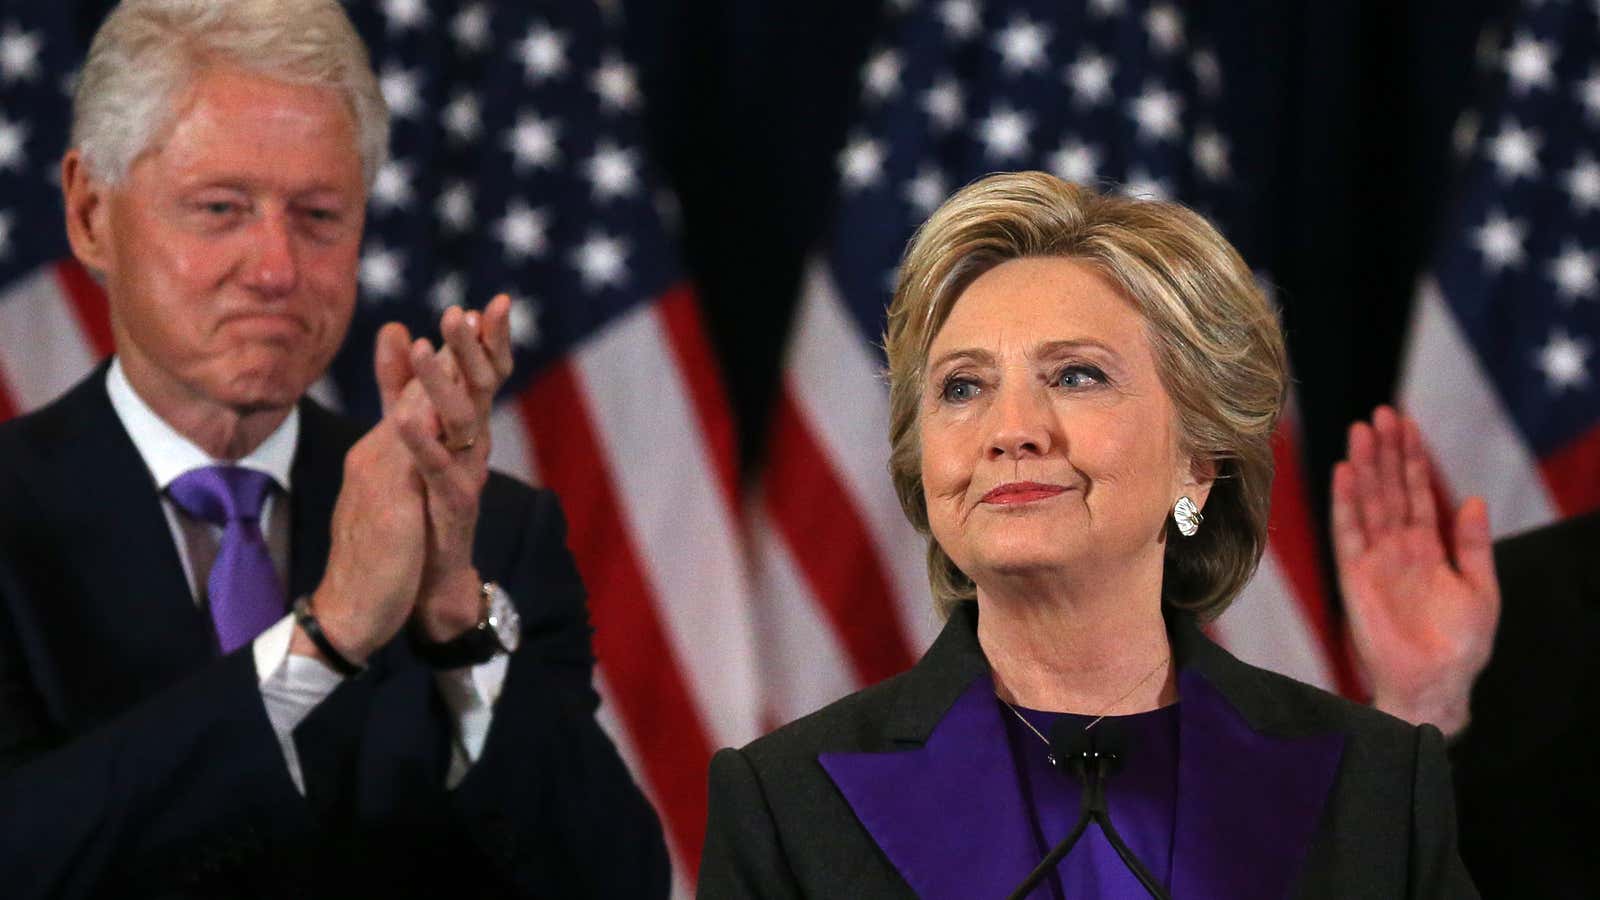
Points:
(959, 390)
(1079, 376)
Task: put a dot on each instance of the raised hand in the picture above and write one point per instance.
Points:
(449, 448)
(1422, 599)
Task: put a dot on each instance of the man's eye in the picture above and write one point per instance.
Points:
(219, 208)
(959, 390)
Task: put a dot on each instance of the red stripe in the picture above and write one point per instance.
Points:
(686, 336)
(1573, 474)
(88, 301)
(647, 685)
(1293, 540)
(831, 544)
(8, 407)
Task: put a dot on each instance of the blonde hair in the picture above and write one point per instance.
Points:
(148, 52)
(1216, 340)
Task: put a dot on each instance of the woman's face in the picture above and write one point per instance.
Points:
(1049, 445)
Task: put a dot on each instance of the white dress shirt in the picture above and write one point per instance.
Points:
(291, 685)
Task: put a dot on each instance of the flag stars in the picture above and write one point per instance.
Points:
(1142, 186)
(1210, 152)
(1165, 26)
(925, 192)
(1090, 78)
(470, 28)
(1515, 152)
(1004, 133)
(455, 206)
(391, 189)
(601, 261)
(1207, 72)
(448, 291)
(524, 232)
(532, 143)
(861, 163)
(1075, 161)
(1589, 94)
(1530, 63)
(616, 85)
(881, 77)
(1565, 361)
(943, 103)
(1021, 46)
(612, 171)
(1155, 111)
(404, 15)
(19, 55)
(1500, 239)
(462, 119)
(402, 90)
(382, 272)
(961, 19)
(1583, 183)
(543, 53)
(13, 140)
(1105, 8)
(1574, 272)
(524, 323)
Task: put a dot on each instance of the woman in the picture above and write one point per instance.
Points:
(1083, 388)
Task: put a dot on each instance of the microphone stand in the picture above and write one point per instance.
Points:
(1093, 764)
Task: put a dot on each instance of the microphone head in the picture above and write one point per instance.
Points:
(1101, 748)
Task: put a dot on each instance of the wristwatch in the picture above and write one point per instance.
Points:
(499, 630)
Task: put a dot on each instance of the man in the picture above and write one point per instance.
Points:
(1513, 686)
(166, 723)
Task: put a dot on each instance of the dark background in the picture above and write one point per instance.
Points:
(1350, 105)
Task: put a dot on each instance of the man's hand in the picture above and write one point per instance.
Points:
(449, 448)
(377, 548)
(1423, 605)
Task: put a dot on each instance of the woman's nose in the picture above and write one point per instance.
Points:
(1022, 424)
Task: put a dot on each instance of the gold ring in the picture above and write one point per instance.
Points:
(468, 444)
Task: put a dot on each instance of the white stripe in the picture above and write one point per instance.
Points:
(628, 750)
(1477, 446)
(803, 665)
(837, 383)
(1265, 627)
(676, 516)
(45, 352)
(511, 443)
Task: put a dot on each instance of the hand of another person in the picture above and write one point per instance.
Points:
(377, 544)
(450, 448)
(1423, 602)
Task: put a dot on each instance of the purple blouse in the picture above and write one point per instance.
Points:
(1142, 798)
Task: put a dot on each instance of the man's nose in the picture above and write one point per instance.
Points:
(1022, 423)
(273, 267)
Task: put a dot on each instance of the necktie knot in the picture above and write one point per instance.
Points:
(221, 494)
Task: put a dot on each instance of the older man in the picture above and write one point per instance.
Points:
(243, 648)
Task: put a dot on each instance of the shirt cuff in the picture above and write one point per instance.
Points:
(291, 686)
(471, 693)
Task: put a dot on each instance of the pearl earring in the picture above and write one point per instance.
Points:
(1188, 517)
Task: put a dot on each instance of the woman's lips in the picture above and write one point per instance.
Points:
(1022, 492)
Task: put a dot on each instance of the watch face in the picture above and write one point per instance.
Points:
(505, 621)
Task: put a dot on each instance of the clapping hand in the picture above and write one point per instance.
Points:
(1422, 600)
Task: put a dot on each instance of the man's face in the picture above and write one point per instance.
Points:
(231, 249)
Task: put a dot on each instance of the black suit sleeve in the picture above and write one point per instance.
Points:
(1436, 868)
(742, 856)
(550, 801)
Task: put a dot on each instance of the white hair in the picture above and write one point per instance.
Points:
(148, 52)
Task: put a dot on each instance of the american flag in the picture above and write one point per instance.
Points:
(516, 165)
(1110, 92)
(1500, 364)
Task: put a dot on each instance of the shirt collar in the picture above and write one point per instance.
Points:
(169, 454)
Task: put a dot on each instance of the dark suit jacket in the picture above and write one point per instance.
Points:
(1526, 781)
(1284, 791)
(135, 758)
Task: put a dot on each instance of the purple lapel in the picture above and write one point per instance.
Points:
(1248, 803)
(948, 814)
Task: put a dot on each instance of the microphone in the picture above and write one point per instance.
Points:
(1092, 754)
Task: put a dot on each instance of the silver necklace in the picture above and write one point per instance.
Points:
(1051, 757)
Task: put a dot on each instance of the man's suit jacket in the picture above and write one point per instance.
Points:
(907, 789)
(135, 758)
(1526, 780)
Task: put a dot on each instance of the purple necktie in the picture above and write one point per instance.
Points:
(243, 588)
